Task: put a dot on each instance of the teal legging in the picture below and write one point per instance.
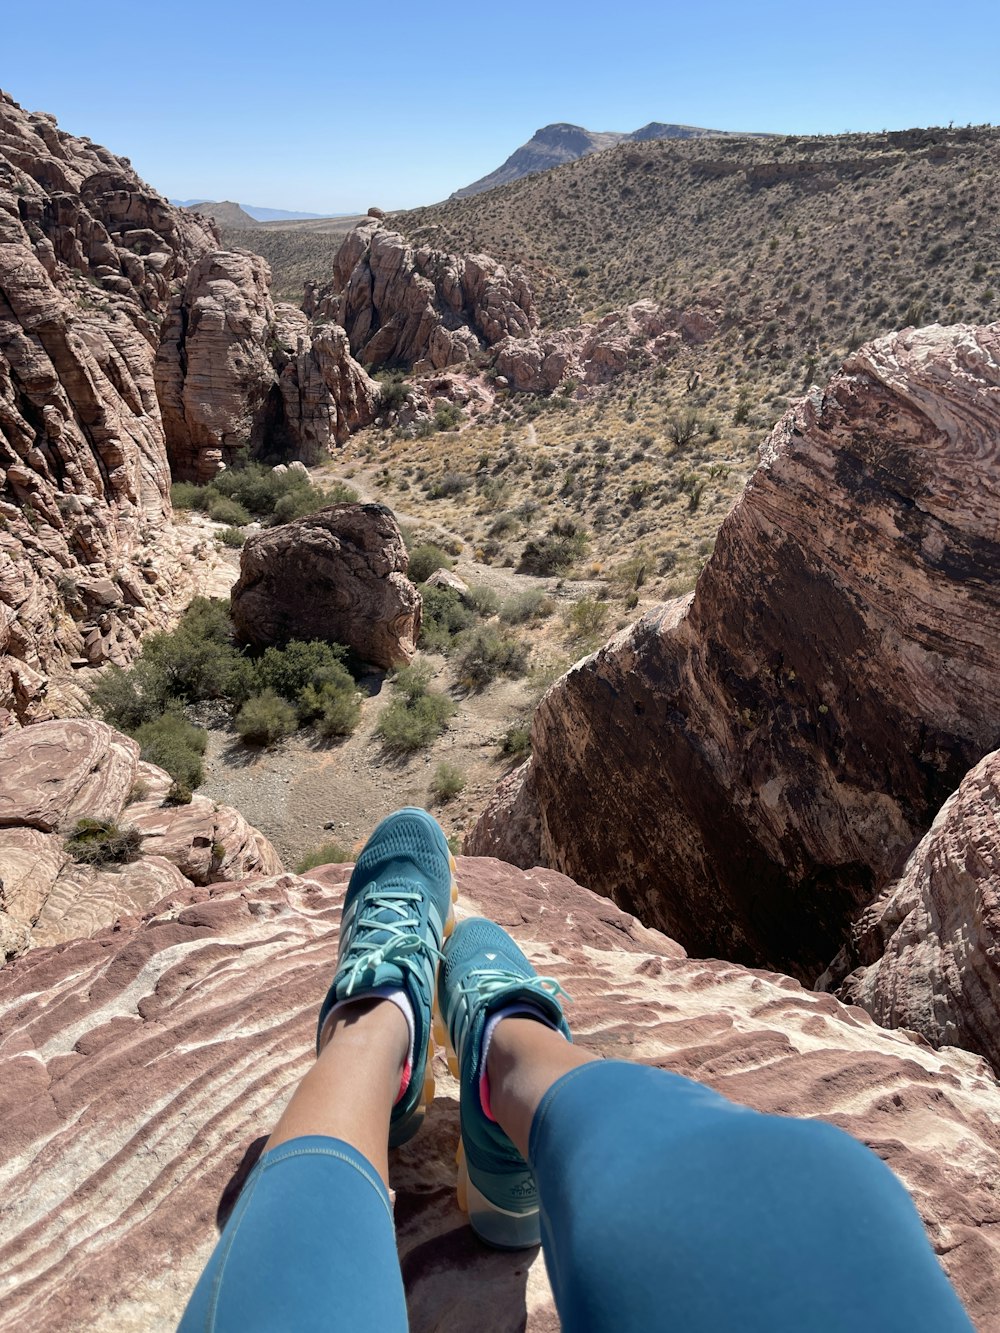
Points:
(664, 1207)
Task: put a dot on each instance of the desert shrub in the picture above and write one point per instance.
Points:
(532, 604)
(447, 416)
(102, 842)
(487, 653)
(425, 559)
(417, 715)
(516, 740)
(452, 483)
(564, 544)
(186, 495)
(443, 616)
(586, 618)
(502, 524)
(329, 854)
(448, 781)
(194, 661)
(126, 699)
(304, 500)
(231, 537)
(333, 708)
(288, 670)
(393, 391)
(230, 512)
(483, 601)
(265, 718)
(173, 743)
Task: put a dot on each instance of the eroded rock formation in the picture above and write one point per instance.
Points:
(165, 1052)
(419, 307)
(339, 575)
(237, 375)
(747, 766)
(56, 773)
(88, 258)
(926, 953)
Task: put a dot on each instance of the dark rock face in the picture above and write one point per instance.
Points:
(420, 307)
(165, 1051)
(339, 575)
(926, 953)
(748, 766)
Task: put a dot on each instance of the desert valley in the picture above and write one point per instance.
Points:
(635, 510)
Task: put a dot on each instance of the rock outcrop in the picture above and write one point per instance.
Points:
(236, 375)
(926, 953)
(56, 773)
(339, 575)
(164, 1052)
(644, 333)
(746, 767)
(88, 259)
(419, 307)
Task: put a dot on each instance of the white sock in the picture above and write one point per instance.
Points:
(397, 996)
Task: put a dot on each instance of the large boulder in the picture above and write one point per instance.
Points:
(338, 575)
(134, 1097)
(926, 954)
(746, 767)
(54, 774)
(88, 258)
(420, 307)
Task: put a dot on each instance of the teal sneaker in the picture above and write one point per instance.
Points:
(398, 911)
(484, 971)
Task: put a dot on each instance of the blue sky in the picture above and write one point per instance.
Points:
(330, 107)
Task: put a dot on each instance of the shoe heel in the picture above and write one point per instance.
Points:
(498, 1228)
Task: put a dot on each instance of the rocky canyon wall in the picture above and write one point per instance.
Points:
(748, 766)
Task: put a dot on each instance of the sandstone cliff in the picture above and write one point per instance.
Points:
(926, 953)
(746, 767)
(418, 307)
(165, 1051)
(235, 374)
(56, 773)
(88, 258)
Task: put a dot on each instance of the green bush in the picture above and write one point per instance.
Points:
(417, 715)
(230, 512)
(483, 600)
(516, 740)
(231, 537)
(487, 653)
(265, 718)
(556, 551)
(394, 392)
(448, 781)
(173, 743)
(299, 663)
(532, 604)
(101, 842)
(425, 559)
(335, 710)
(586, 618)
(186, 495)
(329, 854)
(444, 615)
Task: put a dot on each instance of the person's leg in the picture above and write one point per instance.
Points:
(663, 1204)
(660, 1203)
(310, 1244)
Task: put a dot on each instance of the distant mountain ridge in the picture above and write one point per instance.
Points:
(251, 213)
(553, 145)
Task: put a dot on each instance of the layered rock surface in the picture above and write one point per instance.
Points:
(55, 773)
(165, 1051)
(339, 575)
(236, 375)
(747, 766)
(926, 953)
(419, 307)
(88, 258)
